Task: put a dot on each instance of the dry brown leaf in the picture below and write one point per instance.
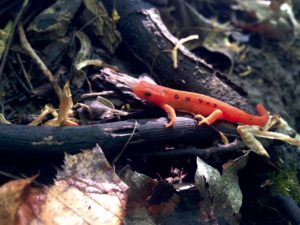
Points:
(29, 210)
(11, 198)
(68, 204)
(65, 105)
(87, 191)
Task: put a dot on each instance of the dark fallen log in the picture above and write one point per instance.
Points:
(112, 137)
(234, 148)
(147, 37)
(289, 208)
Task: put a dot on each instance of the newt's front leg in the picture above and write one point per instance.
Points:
(171, 113)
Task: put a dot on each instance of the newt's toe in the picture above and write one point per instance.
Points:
(204, 121)
(167, 125)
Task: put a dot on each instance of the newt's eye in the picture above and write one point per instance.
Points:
(147, 93)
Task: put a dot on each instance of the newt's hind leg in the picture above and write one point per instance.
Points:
(214, 116)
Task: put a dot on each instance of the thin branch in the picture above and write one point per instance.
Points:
(10, 39)
(26, 45)
(123, 149)
(24, 72)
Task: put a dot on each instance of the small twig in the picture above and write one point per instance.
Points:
(88, 23)
(13, 98)
(179, 44)
(96, 94)
(26, 45)
(127, 142)
(10, 175)
(10, 39)
(14, 73)
(24, 72)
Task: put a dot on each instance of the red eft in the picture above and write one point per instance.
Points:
(197, 104)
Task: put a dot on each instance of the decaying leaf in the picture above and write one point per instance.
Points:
(213, 35)
(65, 105)
(102, 25)
(4, 35)
(3, 120)
(100, 109)
(114, 14)
(149, 201)
(62, 118)
(273, 19)
(85, 50)
(54, 53)
(222, 194)
(54, 21)
(44, 112)
(84, 53)
(87, 191)
(11, 198)
(141, 188)
(162, 202)
(249, 133)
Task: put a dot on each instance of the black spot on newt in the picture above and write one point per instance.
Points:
(187, 99)
(215, 105)
(176, 96)
(200, 100)
(147, 93)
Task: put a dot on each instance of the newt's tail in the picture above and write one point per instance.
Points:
(263, 117)
(240, 116)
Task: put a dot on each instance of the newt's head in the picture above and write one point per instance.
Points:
(150, 92)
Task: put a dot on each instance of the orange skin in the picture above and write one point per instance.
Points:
(202, 106)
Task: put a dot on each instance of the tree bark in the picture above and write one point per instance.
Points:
(145, 34)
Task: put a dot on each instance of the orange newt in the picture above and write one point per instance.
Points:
(197, 104)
